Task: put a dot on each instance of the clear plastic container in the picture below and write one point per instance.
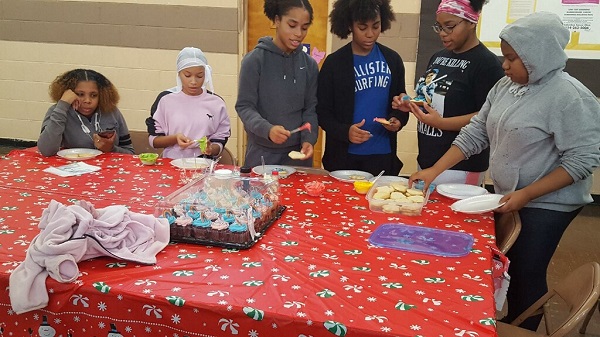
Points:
(395, 203)
(221, 210)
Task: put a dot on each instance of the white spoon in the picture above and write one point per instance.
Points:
(379, 175)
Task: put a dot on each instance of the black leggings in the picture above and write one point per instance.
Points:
(529, 259)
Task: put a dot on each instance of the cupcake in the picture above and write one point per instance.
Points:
(201, 228)
(219, 230)
(238, 233)
(185, 223)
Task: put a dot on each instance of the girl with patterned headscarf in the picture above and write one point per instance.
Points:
(465, 72)
(188, 112)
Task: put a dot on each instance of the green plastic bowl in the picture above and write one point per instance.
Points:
(148, 158)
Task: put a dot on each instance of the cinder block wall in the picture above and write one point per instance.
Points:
(135, 44)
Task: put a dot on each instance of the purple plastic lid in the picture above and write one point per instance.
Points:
(422, 240)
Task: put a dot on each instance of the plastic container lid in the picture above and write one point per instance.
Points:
(424, 240)
(223, 173)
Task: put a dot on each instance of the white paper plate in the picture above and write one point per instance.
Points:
(460, 191)
(191, 163)
(478, 204)
(78, 153)
(349, 176)
(284, 171)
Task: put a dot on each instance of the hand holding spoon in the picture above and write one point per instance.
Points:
(305, 126)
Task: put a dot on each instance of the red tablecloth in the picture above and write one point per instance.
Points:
(312, 274)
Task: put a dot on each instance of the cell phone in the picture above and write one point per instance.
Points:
(106, 134)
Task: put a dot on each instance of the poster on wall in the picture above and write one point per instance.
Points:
(581, 17)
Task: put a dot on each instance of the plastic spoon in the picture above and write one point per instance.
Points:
(305, 126)
(379, 175)
(214, 163)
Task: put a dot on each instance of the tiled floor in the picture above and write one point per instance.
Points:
(5, 149)
(580, 244)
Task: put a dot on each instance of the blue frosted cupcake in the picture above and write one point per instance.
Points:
(239, 233)
(201, 227)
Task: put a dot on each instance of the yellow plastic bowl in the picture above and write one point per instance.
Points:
(148, 158)
(362, 187)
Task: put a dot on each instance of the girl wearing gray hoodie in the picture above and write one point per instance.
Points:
(542, 128)
(277, 89)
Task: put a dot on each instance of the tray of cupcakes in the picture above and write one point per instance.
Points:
(221, 210)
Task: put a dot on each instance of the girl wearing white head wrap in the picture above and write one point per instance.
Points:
(193, 57)
(183, 115)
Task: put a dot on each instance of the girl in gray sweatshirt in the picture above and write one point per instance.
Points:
(542, 128)
(277, 89)
(85, 115)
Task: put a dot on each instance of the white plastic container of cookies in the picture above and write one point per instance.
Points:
(395, 197)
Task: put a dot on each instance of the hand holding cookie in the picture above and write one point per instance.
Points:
(296, 155)
(381, 120)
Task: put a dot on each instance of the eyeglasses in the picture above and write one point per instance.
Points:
(446, 29)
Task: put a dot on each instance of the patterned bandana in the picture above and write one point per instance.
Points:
(460, 8)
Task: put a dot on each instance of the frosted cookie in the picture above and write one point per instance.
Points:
(296, 155)
(414, 191)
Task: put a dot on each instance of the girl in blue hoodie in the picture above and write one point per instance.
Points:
(278, 89)
(542, 128)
